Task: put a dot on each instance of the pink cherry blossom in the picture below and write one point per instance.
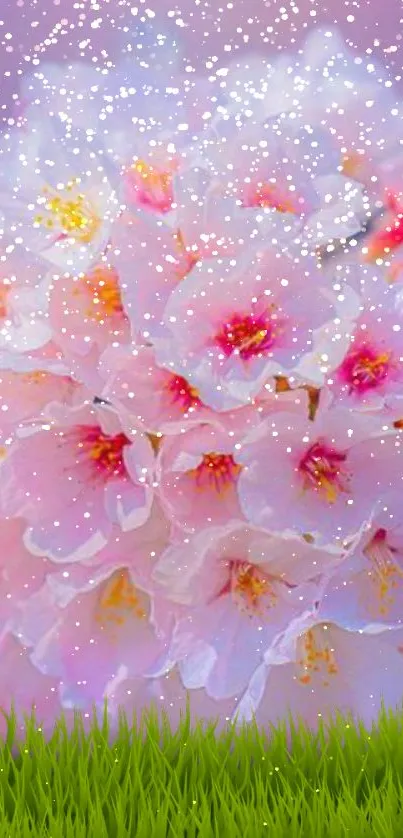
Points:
(64, 203)
(72, 478)
(384, 244)
(370, 373)
(157, 400)
(197, 475)
(233, 324)
(213, 222)
(242, 588)
(164, 403)
(284, 169)
(325, 477)
(367, 587)
(332, 671)
(96, 624)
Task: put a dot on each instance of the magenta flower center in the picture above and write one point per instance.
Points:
(365, 369)
(152, 186)
(182, 393)
(322, 470)
(247, 336)
(390, 236)
(105, 453)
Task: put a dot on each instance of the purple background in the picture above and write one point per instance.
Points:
(25, 25)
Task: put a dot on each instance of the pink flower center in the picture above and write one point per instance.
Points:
(389, 237)
(365, 369)
(105, 453)
(151, 187)
(252, 591)
(182, 393)
(385, 573)
(101, 286)
(316, 656)
(216, 472)
(248, 336)
(119, 600)
(4, 292)
(249, 588)
(322, 470)
(267, 195)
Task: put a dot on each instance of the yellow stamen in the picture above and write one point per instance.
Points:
(385, 573)
(317, 656)
(72, 215)
(119, 600)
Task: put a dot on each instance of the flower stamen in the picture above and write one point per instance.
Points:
(74, 215)
(216, 472)
(317, 657)
(385, 573)
(322, 470)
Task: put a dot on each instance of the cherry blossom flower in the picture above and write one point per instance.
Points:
(325, 477)
(330, 671)
(154, 399)
(370, 373)
(164, 403)
(242, 588)
(197, 475)
(366, 590)
(58, 193)
(201, 400)
(101, 621)
(384, 244)
(282, 166)
(233, 324)
(74, 476)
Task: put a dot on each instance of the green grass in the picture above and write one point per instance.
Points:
(151, 782)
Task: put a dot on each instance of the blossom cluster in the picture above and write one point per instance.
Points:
(201, 387)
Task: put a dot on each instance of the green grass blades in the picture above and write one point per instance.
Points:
(148, 781)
